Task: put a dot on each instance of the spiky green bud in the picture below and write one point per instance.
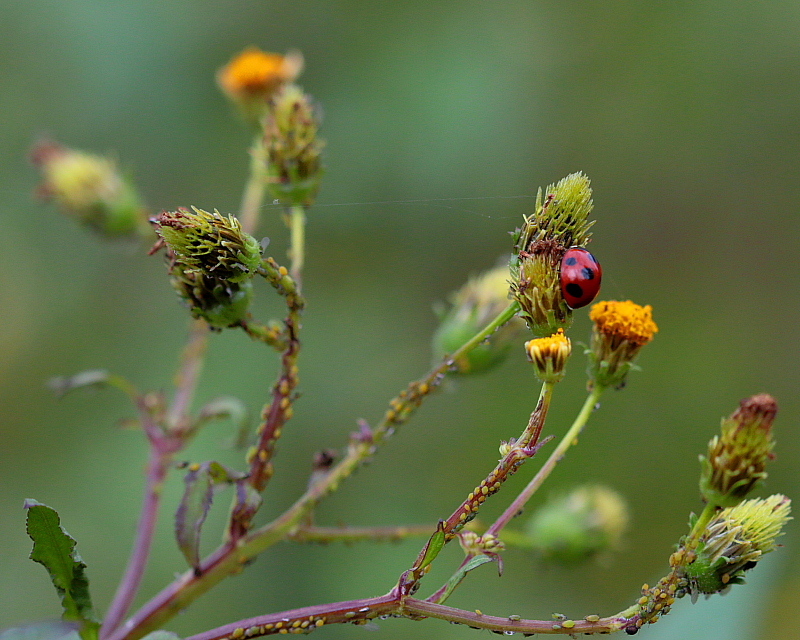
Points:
(476, 304)
(560, 221)
(91, 189)
(292, 148)
(210, 243)
(736, 459)
(574, 527)
(734, 541)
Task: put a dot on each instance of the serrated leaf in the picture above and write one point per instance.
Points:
(50, 630)
(458, 576)
(54, 548)
(200, 483)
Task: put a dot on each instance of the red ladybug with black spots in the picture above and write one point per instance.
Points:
(580, 277)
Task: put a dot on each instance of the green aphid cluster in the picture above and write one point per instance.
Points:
(559, 222)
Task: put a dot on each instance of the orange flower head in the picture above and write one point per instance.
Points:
(251, 78)
(621, 329)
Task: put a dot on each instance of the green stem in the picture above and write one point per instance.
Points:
(297, 227)
(255, 188)
(566, 442)
(230, 558)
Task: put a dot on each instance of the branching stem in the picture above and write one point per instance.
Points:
(555, 457)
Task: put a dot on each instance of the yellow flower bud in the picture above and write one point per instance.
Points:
(549, 355)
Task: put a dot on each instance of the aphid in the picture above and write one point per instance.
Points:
(580, 277)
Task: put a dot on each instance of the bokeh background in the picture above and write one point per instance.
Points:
(441, 121)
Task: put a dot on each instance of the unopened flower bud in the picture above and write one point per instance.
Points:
(737, 458)
(253, 77)
(559, 222)
(210, 243)
(620, 330)
(549, 356)
(476, 304)
(91, 189)
(577, 526)
(219, 302)
(292, 148)
(733, 542)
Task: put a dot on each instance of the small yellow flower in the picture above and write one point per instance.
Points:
(624, 321)
(549, 355)
(251, 78)
(621, 329)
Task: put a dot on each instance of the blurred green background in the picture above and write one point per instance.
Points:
(441, 121)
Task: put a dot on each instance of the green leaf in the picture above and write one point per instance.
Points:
(458, 576)
(434, 546)
(55, 549)
(201, 482)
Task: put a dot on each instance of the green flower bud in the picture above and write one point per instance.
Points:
(560, 222)
(575, 527)
(734, 541)
(737, 458)
(91, 189)
(476, 304)
(292, 148)
(210, 243)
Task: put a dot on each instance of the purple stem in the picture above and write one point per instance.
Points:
(156, 472)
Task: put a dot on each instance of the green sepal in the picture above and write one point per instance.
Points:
(54, 548)
(99, 378)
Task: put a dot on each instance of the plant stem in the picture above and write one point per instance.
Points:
(358, 612)
(231, 557)
(188, 374)
(566, 442)
(356, 534)
(160, 459)
(255, 188)
(297, 225)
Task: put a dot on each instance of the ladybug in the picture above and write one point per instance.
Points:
(580, 277)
